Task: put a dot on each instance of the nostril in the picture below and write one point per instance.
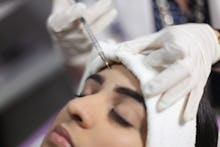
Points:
(77, 118)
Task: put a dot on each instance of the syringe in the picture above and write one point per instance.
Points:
(95, 43)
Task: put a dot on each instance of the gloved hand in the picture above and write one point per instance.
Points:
(67, 31)
(183, 55)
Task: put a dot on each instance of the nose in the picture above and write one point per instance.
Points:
(85, 111)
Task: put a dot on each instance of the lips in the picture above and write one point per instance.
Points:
(60, 137)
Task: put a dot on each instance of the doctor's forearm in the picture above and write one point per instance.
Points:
(218, 35)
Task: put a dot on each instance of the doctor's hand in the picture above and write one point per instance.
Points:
(68, 33)
(183, 55)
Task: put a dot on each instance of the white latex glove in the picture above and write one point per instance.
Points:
(67, 31)
(183, 56)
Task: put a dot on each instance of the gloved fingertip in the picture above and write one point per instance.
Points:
(111, 41)
(102, 22)
(80, 7)
(106, 3)
(53, 25)
(150, 89)
(162, 105)
(114, 12)
(187, 117)
(189, 114)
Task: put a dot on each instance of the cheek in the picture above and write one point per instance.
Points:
(117, 137)
(60, 117)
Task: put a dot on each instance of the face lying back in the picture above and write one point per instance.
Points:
(109, 112)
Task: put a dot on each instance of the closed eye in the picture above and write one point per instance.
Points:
(79, 95)
(119, 119)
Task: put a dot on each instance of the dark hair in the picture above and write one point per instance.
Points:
(207, 130)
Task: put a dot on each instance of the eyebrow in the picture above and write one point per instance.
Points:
(99, 79)
(121, 90)
(131, 93)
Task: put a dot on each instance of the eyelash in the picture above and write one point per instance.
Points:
(120, 120)
(114, 115)
(79, 95)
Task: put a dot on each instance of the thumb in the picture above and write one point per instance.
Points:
(193, 103)
(103, 22)
(64, 20)
(175, 93)
(167, 79)
(59, 5)
(142, 44)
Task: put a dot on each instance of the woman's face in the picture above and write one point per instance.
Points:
(109, 113)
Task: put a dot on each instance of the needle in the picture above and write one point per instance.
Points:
(94, 42)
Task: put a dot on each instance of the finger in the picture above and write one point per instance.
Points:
(167, 78)
(64, 20)
(103, 22)
(60, 5)
(76, 11)
(97, 10)
(142, 45)
(175, 93)
(193, 103)
(163, 57)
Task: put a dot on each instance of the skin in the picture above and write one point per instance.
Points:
(183, 6)
(91, 120)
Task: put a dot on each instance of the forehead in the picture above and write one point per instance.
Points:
(120, 75)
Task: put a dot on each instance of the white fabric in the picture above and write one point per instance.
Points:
(166, 128)
(193, 48)
(69, 34)
(218, 140)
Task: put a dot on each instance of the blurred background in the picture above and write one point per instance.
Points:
(34, 83)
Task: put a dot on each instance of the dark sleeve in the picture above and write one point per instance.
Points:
(215, 85)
